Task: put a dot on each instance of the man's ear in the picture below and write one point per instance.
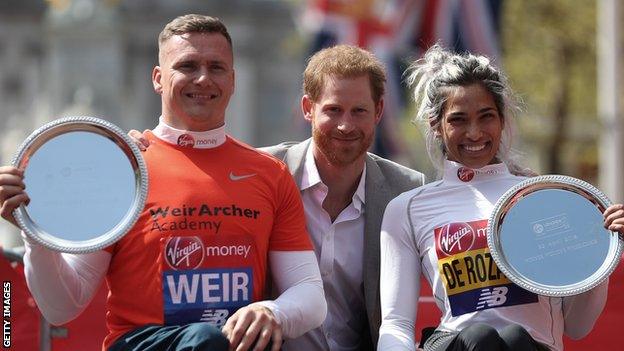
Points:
(379, 110)
(233, 81)
(156, 75)
(307, 105)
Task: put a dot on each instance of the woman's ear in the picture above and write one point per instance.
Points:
(435, 126)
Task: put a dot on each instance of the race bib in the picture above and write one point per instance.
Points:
(206, 279)
(471, 277)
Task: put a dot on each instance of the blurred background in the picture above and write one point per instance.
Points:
(95, 57)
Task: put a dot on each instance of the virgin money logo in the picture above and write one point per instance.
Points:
(184, 252)
(186, 140)
(465, 174)
(455, 238)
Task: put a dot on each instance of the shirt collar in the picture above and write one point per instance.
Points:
(198, 140)
(311, 178)
(360, 194)
(457, 173)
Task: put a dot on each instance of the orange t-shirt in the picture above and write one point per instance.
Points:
(199, 249)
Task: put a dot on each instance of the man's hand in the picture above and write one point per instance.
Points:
(12, 193)
(139, 140)
(253, 325)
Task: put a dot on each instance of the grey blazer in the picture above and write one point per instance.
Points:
(384, 181)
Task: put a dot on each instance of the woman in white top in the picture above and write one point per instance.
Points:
(439, 229)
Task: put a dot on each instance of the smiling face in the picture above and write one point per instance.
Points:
(195, 79)
(471, 126)
(343, 119)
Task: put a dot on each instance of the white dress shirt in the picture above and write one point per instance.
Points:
(339, 247)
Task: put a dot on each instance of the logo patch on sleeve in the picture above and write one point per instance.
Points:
(470, 276)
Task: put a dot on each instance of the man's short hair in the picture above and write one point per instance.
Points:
(193, 23)
(344, 61)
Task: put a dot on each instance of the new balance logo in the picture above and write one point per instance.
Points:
(215, 317)
(235, 177)
(492, 297)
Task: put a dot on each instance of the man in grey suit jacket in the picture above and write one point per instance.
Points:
(345, 190)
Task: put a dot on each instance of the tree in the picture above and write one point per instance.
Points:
(550, 56)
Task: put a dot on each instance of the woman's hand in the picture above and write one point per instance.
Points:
(614, 218)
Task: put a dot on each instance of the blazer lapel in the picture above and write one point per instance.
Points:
(294, 159)
(378, 194)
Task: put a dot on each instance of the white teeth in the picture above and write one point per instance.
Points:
(201, 96)
(474, 147)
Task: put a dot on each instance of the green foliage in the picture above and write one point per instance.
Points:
(535, 34)
(550, 45)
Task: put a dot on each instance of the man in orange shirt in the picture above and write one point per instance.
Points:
(225, 221)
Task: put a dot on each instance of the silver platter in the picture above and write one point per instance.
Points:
(546, 234)
(87, 184)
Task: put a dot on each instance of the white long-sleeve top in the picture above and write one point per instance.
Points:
(439, 230)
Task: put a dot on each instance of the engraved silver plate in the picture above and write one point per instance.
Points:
(87, 184)
(546, 234)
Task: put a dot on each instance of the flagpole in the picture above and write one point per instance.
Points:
(610, 145)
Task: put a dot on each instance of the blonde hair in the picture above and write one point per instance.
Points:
(193, 23)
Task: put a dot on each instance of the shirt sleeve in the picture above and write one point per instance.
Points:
(289, 228)
(581, 311)
(300, 306)
(400, 279)
(63, 284)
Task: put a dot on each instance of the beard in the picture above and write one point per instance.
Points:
(342, 155)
